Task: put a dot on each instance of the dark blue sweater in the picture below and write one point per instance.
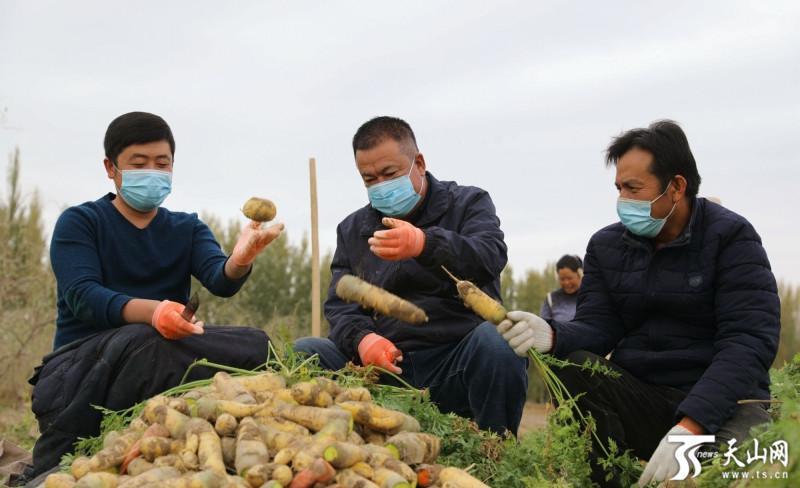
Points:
(101, 261)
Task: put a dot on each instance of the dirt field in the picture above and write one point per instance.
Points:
(534, 416)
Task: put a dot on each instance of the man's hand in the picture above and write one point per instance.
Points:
(379, 351)
(168, 321)
(401, 241)
(252, 240)
(529, 331)
(663, 465)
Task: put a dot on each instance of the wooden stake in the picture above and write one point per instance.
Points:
(315, 278)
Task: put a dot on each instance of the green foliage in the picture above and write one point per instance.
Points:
(27, 312)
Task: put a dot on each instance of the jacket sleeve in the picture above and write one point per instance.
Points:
(76, 265)
(208, 263)
(748, 329)
(349, 323)
(545, 312)
(475, 252)
(597, 326)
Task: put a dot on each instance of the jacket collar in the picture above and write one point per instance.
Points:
(436, 202)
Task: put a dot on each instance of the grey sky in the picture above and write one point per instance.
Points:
(519, 98)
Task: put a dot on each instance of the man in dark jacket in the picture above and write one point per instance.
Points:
(414, 226)
(682, 292)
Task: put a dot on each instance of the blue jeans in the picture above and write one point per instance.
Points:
(480, 377)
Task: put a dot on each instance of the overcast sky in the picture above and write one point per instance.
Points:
(520, 98)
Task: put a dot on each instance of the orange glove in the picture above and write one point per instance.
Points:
(379, 351)
(401, 241)
(168, 321)
(252, 240)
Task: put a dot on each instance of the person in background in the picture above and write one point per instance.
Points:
(560, 304)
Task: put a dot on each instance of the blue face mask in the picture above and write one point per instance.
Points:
(145, 189)
(635, 215)
(395, 198)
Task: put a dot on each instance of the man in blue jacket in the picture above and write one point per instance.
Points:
(123, 265)
(682, 292)
(414, 225)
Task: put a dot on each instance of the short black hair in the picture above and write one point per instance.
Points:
(377, 130)
(571, 261)
(136, 128)
(665, 140)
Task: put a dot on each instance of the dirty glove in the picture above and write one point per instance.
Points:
(168, 321)
(663, 465)
(529, 331)
(401, 241)
(379, 351)
(252, 240)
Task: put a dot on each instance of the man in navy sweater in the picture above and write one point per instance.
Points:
(682, 292)
(123, 265)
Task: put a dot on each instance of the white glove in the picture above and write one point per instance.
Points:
(529, 331)
(663, 465)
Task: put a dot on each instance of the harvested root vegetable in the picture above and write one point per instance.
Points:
(359, 394)
(155, 475)
(415, 447)
(386, 478)
(263, 382)
(153, 447)
(479, 302)
(113, 455)
(311, 393)
(230, 389)
(314, 418)
(319, 472)
(172, 460)
(138, 466)
(228, 450)
(211, 408)
(460, 478)
(344, 455)
(226, 424)
(379, 418)
(98, 480)
(80, 467)
(350, 479)
(59, 480)
(352, 289)
(262, 473)
(259, 209)
(428, 474)
(250, 448)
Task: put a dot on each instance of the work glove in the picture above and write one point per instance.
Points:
(524, 330)
(663, 465)
(379, 351)
(401, 241)
(252, 240)
(168, 321)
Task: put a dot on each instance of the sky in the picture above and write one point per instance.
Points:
(519, 98)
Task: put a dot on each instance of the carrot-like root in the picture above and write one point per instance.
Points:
(352, 289)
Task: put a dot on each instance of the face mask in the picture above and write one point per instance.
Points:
(145, 189)
(394, 198)
(635, 216)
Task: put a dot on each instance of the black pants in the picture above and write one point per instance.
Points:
(637, 415)
(119, 368)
